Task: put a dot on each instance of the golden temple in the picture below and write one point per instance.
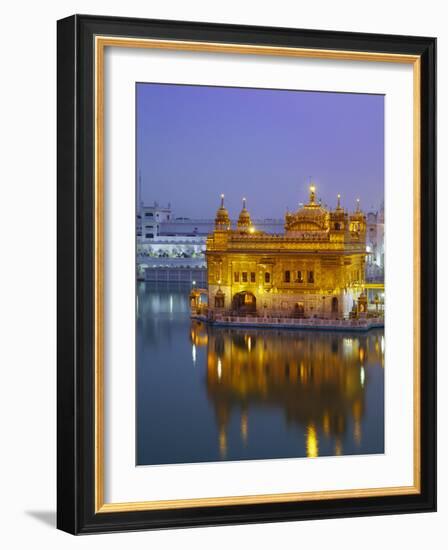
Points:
(315, 269)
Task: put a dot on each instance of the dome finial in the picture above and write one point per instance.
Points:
(244, 202)
(312, 193)
(222, 200)
(357, 205)
(339, 201)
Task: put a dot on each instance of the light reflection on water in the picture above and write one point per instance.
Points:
(209, 394)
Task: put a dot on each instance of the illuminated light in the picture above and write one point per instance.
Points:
(251, 229)
(312, 444)
(338, 447)
(219, 281)
(382, 344)
(368, 249)
(326, 423)
(222, 443)
(171, 304)
(312, 188)
(219, 369)
(193, 353)
(244, 427)
(362, 376)
(194, 283)
(249, 344)
(361, 354)
(357, 433)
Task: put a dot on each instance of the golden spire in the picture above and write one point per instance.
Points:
(222, 220)
(244, 222)
(339, 201)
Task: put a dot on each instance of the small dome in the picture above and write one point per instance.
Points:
(244, 221)
(222, 220)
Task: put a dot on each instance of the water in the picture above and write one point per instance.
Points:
(208, 394)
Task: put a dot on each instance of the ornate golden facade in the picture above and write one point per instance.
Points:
(314, 269)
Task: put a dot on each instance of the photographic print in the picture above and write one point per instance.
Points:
(260, 274)
(237, 208)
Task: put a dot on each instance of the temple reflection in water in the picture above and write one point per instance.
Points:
(317, 380)
(207, 393)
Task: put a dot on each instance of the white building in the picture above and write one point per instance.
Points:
(375, 243)
(149, 220)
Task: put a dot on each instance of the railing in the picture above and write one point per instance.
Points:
(298, 322)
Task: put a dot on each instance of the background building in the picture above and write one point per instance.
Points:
(375, 245)
(172, 249)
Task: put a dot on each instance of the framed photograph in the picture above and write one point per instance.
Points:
(246, 274)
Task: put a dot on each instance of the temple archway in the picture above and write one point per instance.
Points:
(244, 302)
(334, 305)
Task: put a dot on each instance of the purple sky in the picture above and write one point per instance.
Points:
(195, 142)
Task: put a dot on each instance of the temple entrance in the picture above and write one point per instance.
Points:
(334, 305)
(244, 303)
(299, 310)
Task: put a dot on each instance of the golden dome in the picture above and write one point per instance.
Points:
(222, 220)
(244, 221)
(310, 217)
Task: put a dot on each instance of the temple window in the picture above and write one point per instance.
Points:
(267, 277)
(244, 274)
(311, 276)
(252, 277)
(287, 276)
(236, 276)
(299, 277)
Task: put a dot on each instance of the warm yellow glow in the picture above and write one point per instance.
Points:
(312, 188)
(251, 229)
(338, 447)
(357, 433)
(312, 444)
(326, 423)
(222, 443)
(244, 427)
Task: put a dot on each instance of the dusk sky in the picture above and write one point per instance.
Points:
(195, 142)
